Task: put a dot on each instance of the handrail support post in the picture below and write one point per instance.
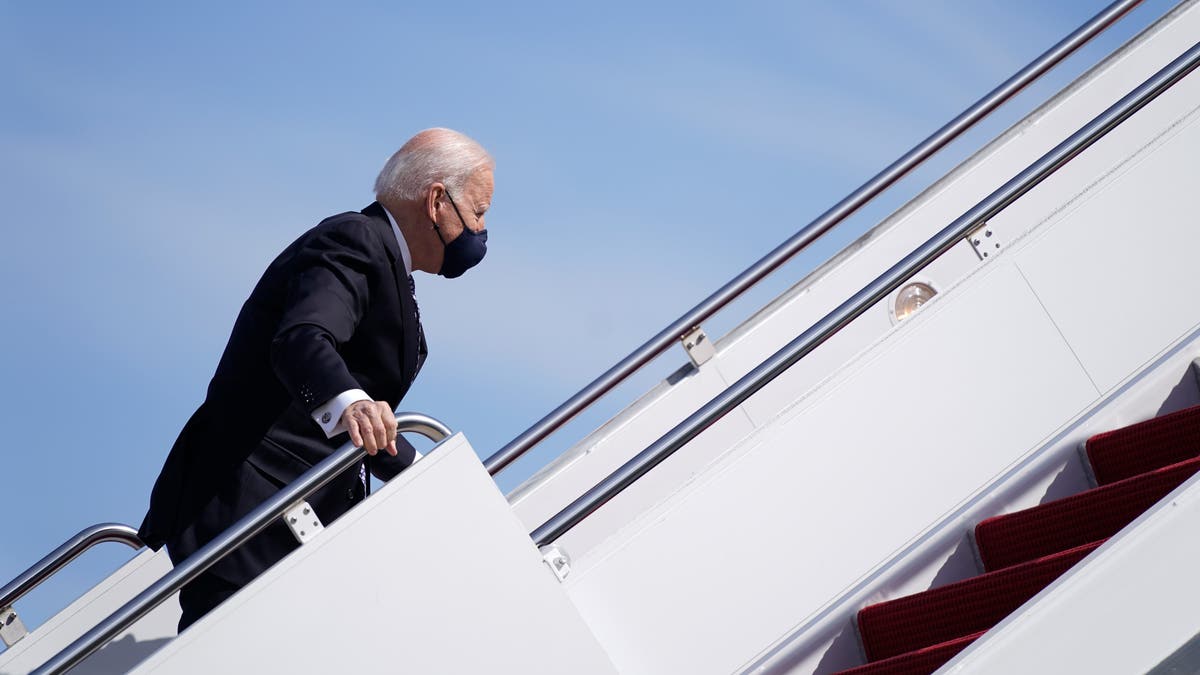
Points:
(12, 629)
(699, 348)
(302, 521)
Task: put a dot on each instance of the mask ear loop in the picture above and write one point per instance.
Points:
(456, 212)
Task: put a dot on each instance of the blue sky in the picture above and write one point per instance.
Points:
(154, 158)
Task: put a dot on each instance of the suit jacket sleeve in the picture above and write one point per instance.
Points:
(327, 295)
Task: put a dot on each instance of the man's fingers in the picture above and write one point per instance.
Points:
(378, 428)
(366, 430)
(355, 435)
(354, 426)
(370, 437)
(373, 432)
(389, 419)
(372, 426)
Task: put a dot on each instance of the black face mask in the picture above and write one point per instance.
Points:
(465, 251)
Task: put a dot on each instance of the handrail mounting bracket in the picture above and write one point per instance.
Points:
(303, 522)
(11, 627)
(557, 560)
(985, 242)
(698, 347)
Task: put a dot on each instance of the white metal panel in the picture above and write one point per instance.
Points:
(1118, 273)
(1104, 245)
(637, 431)
(666, 478)
(432, 574)
(825, 495)
(795, 317)
(1123, 609)
(130, 647)
(941, 555)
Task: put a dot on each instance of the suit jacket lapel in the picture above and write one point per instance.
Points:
(413, 348)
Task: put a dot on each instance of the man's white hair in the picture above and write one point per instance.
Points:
(432, 156)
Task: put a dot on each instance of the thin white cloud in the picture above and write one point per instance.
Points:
(758, 111)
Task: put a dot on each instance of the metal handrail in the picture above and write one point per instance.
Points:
(878, 289)
(799, 241)
(237, 534)
(63, 555)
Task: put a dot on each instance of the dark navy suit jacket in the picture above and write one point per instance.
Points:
(333, 312)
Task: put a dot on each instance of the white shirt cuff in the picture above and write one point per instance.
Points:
(329, 415)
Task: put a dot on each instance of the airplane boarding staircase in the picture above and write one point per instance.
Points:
(1023, 552)
(707, 528)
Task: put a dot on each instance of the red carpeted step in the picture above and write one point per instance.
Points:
(1145, 446)
(921, 662)
(1090, 516)
(959, 609)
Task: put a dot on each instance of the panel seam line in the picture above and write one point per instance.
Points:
(1057, 328)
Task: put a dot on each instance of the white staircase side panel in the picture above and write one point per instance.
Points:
(1111, 267)
(431, 574)
(945, 553)
(640, 424)
(127, 649)
(1124, 609)
(824, 496)
(1116, 311)
(919, 423)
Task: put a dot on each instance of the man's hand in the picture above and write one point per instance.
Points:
(372, 426)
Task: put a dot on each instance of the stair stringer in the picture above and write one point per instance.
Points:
(1124, 609)
(827, 641)
(1095, 284)
(123, 652)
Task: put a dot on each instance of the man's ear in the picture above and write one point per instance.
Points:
(432, 198)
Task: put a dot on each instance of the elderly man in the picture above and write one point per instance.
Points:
(328, 342)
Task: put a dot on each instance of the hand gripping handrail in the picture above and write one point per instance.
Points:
(63, 555)
(799, 241)
(878, 289)
(237, 534)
